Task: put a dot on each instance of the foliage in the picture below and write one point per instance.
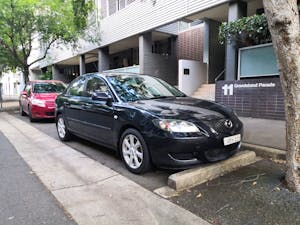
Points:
(46, 75)
(25, 23)
(245, 31)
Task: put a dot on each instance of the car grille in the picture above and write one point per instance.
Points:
(219, 126)
(49, 113)
(50, 103)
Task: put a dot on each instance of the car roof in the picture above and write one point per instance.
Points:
(46, 81)
(108, 74)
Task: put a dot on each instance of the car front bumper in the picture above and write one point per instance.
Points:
(38, 112)
(183, 153)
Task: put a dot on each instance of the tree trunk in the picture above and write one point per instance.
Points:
(283, 21)
(26, 73)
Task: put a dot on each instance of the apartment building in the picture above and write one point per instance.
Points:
(173, 40)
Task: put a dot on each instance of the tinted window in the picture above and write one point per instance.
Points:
(77, 87)
(52, 87)
(133, 88)
(95, 84)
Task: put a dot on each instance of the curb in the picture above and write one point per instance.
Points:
(192, 177)
(266, 152)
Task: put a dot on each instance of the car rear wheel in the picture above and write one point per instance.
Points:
(134, 152)
(62, 129)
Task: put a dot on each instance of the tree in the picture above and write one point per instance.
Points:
(283, 21)
(47, 22)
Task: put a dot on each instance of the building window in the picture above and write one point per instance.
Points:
(112, 6)
(129, 1)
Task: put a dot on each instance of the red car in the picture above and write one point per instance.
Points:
(37, 98)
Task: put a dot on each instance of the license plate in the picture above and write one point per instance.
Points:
(232, 139)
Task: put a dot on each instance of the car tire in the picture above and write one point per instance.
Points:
(22, 113)
(31, 119)
(134, 152)
(62, 130)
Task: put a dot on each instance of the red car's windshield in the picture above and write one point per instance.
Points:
(49, 87)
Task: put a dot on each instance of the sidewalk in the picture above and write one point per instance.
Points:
(23, 199)
(90, 192)
(9, 105)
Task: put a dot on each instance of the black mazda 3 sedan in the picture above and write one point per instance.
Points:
(147, 121)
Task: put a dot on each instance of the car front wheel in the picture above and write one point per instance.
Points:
(134, 152)
(62, 130)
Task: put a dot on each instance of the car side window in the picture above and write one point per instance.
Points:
(77, 88)
(96, 84)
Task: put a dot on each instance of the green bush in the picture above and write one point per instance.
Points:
(246, 31)
(46, 75)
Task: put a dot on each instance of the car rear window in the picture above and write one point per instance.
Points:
(51, 87)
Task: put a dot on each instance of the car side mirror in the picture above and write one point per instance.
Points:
(24, 93)
(102, 96)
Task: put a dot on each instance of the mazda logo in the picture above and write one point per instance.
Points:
(228, 123)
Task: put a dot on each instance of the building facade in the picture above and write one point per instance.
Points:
(170, 39)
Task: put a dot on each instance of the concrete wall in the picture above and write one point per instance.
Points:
(197, 75)
(57, 75)
(164, 67)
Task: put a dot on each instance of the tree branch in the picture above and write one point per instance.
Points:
(11, 50)
(45, 53)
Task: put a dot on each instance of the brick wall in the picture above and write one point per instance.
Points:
(190, 44)
(258, 98)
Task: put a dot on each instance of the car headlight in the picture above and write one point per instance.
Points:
(38, 102)
(176, 126)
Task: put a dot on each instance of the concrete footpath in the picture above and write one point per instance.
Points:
(23, 199)
(90, 192)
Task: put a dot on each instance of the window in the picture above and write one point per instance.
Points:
(77, 87)
(95, 84)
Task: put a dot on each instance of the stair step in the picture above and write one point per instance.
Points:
(205, 91)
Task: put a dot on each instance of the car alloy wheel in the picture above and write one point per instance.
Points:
(62, 130)
(134, 152)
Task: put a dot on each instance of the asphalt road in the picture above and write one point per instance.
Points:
(23, 198)
(151, 180)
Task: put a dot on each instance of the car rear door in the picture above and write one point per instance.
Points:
(24, 99)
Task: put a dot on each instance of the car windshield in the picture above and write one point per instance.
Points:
(134, 87)
(49, 87)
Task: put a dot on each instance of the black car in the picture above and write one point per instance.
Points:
(147, 121)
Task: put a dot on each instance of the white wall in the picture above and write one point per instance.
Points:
(197, 76)
(12, 84)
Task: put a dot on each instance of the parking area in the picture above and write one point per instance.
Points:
(253, 194)
(151, 181)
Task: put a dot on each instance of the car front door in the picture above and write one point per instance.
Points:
(96, 115)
